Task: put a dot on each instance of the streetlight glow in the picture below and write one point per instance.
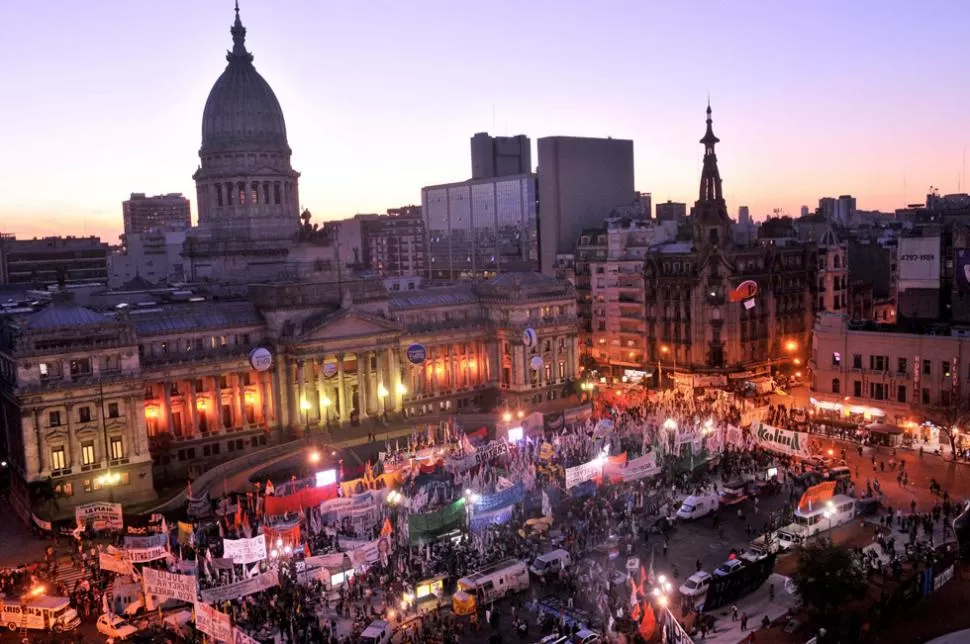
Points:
(401, 389)
(382, 391)
(305, 404)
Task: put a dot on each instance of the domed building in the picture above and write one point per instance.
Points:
(247, 191)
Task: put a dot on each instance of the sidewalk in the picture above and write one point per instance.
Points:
(756, 605)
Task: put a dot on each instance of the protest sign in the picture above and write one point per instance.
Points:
(213, 623)
(245, 551)
(166, 585)
(144, 555)
(115, 560)
(101, 516)
(641, 467)
(146, 542)
(242, 588)
(583, 473)
(199, 507)
(490, 451)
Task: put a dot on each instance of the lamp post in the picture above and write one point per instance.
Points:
(382, 394)
(664, 349)
(109, 480)
(402, 391)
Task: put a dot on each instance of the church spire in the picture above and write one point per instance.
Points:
(238, 40)
(710, 177)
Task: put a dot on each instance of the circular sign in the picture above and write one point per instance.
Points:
(529, 337)
(417, 354)
(329, 369)
(260, 359)
(745, 291)
(536, 363)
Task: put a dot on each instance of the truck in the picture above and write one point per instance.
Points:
(840, 509)
(39, 613)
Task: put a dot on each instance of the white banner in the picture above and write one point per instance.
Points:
(166, 585)
(147, 542)
(584, 472)
(785, 441)
(370, 552)
(115, 561)
(239, 636)
(332, 560)
(641, 467)
(245, 551)
(144, 555)
(213, 623)
(100, 515)
(242, 588)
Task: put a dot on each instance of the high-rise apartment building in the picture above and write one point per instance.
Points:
(394, 245)
(838, 211)
(49, 260)
(744, 215)
(581, 181)
(161, 212)
(671, 211)
(500, 156)
(481, 227)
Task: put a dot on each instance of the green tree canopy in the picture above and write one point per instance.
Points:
(828, 578)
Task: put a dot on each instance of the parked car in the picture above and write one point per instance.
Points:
(763, 488)
(111, 625)
(696, 584)
(734, 492)
(728, 567)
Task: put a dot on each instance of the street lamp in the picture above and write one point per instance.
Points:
(314, 457)
(326, 402)
(507, 417)
(828, 513)
(382, 394)
(109, 479)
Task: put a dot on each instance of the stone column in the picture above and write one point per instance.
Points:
(237, 402)
(435, 377)
(301, 393)
(394, 379)
(39, 442)
(169, 417)
(452, 368)
(70, 437)
(134, 425)
(281, 396)
(555, 360)
(215, 416)
(316, 385)
(193, 413)
(342, 403)
(262, 386)
(362, 384)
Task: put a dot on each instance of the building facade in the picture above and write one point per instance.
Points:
(671, 211)
(161, 212)
(481, 227)
(888, 373)
(695, 321)
(50, 260)
(500, 156)
(581, 181)
(169, 390)
(154, 256)
(394, 245)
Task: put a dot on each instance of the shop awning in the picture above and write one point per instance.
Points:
(884, 428)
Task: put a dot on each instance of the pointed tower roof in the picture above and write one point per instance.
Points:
(710, 176)
(711, 222)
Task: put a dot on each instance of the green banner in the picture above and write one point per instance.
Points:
(424, 527)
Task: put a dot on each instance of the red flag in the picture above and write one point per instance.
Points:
(238, 520)
(649, 623)
(386, 530)
(635, 613)
(306, 549)
(190, 489)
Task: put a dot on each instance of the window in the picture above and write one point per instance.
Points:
(857, 361)
(877, 390)
(54, 419)
(925, 396)
(879, 363)
(927, 367)
(901, 393)
(58, 459)
(901, 366)
(113, 411)
(857, 388)
(84, 414)
(111, 363)
(117, 449)
(87, 453)
(64, 489)
(945, 368)
(87, 485)
(836, 359)
(836, 386)
(81, 367)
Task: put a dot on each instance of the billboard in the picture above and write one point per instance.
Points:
(918, 261)
(962, 266)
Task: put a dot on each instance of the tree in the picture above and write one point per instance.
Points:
(954, 415)
(827, 579)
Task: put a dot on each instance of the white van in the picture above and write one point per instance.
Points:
(38, 613)
(378, 632)
(840, 509)
(696, 584)
(496, 581)
(697, 506)
(550, 563)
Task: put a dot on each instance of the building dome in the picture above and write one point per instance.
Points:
(242, 113)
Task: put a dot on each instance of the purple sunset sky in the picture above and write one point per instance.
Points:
(810, 99)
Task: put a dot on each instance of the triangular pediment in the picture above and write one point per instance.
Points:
(350, 324)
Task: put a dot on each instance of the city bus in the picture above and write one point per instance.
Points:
(810, 523)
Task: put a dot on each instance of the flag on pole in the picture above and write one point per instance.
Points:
(386, 530)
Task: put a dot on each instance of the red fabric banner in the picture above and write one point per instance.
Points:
(298, 501)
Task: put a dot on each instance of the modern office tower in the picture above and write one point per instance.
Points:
(671, 211)
(500, 156)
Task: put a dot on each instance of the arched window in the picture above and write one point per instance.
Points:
(836, 261)
(836, 386)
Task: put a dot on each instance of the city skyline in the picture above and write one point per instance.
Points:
(833, 108)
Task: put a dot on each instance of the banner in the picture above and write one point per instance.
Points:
(613, 467)
(816, 495)
(114, 560)
(785, 441)
(641, 467)
(166, 585)
(199, 507)
(287, 532)
(553, 422)
(546, 452)
(494, 449)
(40, 523)
(185, 533)
(144, 555)
(146, 542)
(245, 551)
(239, 636)
(212, 622)
(584, 472)
(101, 516)
(495, 517)
(141, 524)
(310, 497)
(242, 588)
(423, 527)
(546, 505)
(507, 497)
(370, 552)
(735, 437)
